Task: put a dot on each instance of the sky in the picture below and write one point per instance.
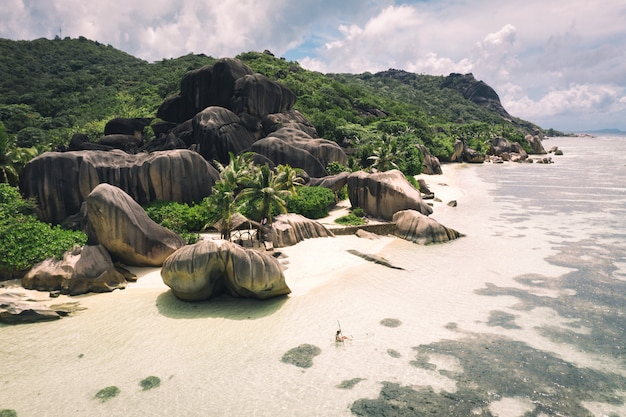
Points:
(558, 63)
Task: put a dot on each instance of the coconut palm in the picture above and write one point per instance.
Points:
(384, 155)
(288, 178)
(263, 194)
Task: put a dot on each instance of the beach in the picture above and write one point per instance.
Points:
(434, 330)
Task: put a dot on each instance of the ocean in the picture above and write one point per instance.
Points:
(523, 316)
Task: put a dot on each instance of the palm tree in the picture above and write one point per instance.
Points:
(384, 155)
(264, 193)
(288, 178)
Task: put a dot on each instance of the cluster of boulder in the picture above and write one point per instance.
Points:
(221, 109)
(500, 150)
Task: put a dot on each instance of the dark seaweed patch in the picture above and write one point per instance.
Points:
(350, 383)
(301, 356)
(502, 319)
(495, 367)
(390, 322)
(393, 353)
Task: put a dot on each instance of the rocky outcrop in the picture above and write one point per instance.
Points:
(384, 193)
(507, 151)
(121, 225)
(209, 268)
(289, 229)
(431, 165)
(61, 181)
(16, 308)
(294, 147)
(418, 228)
(292, 119)
(257, 95)
(333, 182)
(127, 126)
(536, 145)
(218, 131)
(463, 153)
(82, 270)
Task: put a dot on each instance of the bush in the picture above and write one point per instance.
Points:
(178, 217)
(350, 220)
(358, 211)
(26, 241)
(312, 202)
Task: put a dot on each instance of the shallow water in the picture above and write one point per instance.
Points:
(524, 316)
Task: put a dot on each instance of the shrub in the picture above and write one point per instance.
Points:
(178, 217)
(350, 220)
(358, 211)
(312, 202)
(26, 241)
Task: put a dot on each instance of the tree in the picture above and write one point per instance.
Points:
(384, 155)
(264, 193)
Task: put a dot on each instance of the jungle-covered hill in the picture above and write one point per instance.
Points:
(50, 89)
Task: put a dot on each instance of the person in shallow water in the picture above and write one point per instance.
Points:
(339, 337)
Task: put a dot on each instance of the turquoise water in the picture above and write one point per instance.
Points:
(524, 316)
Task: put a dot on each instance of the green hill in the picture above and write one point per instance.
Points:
(50, 89)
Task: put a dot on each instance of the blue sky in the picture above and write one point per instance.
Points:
(557, 63)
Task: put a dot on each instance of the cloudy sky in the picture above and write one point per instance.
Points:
(557, 63)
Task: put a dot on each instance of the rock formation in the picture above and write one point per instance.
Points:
(234, 110)
(82, 270)
(289, 229)
(431, 165)
(418, 228)
(15, 308)
(506, 150)
(209, 268)
(121, 225)
(61, 181)
(384, 193)
(334, 182)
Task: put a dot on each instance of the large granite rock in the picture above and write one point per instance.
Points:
(431, 165)
(333, 182)
(15, 308)
(257, 95)
(418, 228)
(209, 268)
(463, 153)
(122, 226)
(383, 194)
(61, 181)
(507, 151)
(218, 131)
(291, 118)
(294, 147)
(82, 270)
(536, 145)
(289, 229)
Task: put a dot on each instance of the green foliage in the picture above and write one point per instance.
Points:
(178, 217)
(26, 241)
(334, 168)
(350, 220)
(358, 211)
(12, 203)
(8, 413)
(312, 202)
(105, 394)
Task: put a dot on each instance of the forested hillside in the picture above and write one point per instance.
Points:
(50, 89)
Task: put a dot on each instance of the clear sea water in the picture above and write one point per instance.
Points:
(524, 316)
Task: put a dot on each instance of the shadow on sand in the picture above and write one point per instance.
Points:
(223, 306)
